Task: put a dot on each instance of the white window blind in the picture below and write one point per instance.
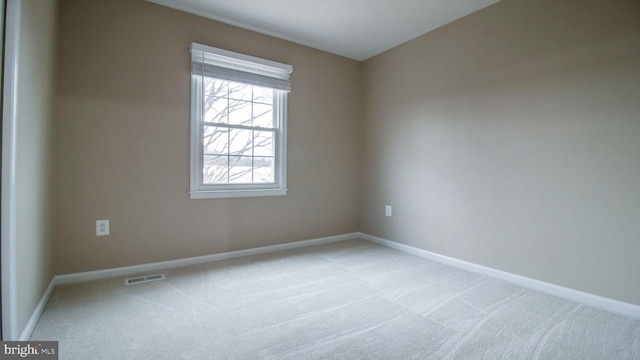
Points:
(227, 65)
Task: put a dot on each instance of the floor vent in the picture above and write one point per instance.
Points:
(144, 279)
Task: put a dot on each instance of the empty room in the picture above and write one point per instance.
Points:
(358, 179)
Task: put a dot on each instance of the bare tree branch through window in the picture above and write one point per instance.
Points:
(239, 133)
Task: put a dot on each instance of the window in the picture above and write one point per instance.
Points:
(238, 124)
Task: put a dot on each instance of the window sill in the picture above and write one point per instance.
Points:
(222, 194)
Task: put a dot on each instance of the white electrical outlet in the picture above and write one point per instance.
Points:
(388, 210)
(102, 227)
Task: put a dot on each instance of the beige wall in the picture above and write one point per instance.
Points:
(122, 141)
(511, 138)
(34, 111)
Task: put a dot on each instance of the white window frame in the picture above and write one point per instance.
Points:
(248, 66)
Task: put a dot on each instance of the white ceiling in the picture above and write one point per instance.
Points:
(358, 29)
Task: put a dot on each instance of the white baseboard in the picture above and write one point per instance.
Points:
(136, 269)
(33, 320)
(592, 300)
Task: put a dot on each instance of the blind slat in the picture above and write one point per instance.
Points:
(219, 72)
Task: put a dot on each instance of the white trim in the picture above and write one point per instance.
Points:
(135, 269)
(198, 190)
(9, 266)
(595, 301)
(37, 312)
(222, 194)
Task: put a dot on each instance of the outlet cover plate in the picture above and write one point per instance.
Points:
(102, 227)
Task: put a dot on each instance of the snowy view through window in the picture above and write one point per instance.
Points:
(239, 133)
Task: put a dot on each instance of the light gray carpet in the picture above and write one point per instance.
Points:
(348, 300)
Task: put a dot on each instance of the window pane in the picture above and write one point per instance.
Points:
(263, 170)
(263, 115)
(239, 112)
(215, 169)
(263, 143)
(240, 91)
(240, 142)
(263, 95)
(216, 140)
(215, 110)
(240, 169)
(215, 87)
